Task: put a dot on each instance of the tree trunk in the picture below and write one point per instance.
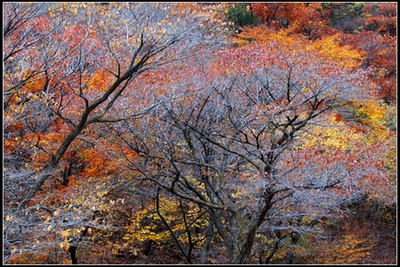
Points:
(72, 252)
(207, 245)
(50, 167)
(247, 239)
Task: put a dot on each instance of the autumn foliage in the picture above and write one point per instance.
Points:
(202, 133)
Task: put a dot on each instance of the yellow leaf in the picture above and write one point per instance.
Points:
(65, 234)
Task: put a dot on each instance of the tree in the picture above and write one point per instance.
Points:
(381, 17)
(346, 17)
(66, 67)
(241, 15)
(228, 146)
(380, 56)
(304, 18)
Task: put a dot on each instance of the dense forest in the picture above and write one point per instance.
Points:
(199, 133)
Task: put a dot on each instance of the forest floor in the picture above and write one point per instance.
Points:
(375, 225)
(385, 231)
(370, 230)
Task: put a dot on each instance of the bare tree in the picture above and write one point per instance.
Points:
(61, 48)
(139, 31)
(226, 147)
